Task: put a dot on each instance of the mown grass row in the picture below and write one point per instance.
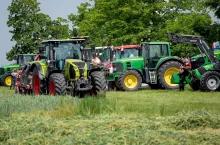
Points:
(143, 117)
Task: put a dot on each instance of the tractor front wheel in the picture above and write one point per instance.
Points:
(130, 80)
(195, 85)
(165, 73)
(99, 84)
(6, 80)
(210, 81)
(57, 84)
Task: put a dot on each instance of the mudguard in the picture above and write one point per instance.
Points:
(41, 67)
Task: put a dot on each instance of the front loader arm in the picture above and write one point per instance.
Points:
(194, 40)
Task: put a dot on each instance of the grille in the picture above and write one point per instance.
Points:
(119, 67)
(2, 71)
(80, 66)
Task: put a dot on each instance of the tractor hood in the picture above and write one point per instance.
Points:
(75, 68)
(10, 66)
(129, 59)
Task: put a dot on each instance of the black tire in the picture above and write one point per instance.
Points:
(99, 83)
(161, 74)
(59, 82)
(121, 80)
(210, 81)
(3, 80)
(195, 85)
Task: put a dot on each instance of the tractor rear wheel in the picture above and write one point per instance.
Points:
(129, 80)
(99, 84)
(210, 81)
(57, 84)
(36, 83)
(165, 73)
(6, 80)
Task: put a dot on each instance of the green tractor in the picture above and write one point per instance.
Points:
(154, 66)
(5, 71)
(62, 70)
(205, 74)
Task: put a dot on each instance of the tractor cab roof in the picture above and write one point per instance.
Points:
(152, 43)
(62, 40)
(127, 47)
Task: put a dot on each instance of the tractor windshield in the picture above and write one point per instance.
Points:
(24, 59)
(127, 53)
(67, 50)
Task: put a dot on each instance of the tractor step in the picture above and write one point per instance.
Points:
(152, 77)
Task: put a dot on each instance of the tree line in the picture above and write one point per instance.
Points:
(117, 22)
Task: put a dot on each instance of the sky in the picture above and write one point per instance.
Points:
(54, 8)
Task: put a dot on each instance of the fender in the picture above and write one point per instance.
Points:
(41, 67)
(164, 60)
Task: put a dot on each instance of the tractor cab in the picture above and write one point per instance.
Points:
(23, 59)
(58, 51)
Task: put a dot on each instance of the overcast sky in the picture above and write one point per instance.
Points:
(54, 8)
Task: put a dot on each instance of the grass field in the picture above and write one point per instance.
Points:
(143, 117)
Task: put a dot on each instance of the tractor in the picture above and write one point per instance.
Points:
(62, 71)
(154, 66)
(5, 71)
(205, 73)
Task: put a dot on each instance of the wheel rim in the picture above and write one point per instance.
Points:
(168, 75)
(52, 88)
(36, 85)
(130, 81)
(8, 80)
(213, 82)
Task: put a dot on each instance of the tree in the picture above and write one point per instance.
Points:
(214, 5)
(29, 26)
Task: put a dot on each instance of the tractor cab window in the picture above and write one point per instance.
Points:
(23, 60)
(127, 53)
(87, 54)
(67, 50)
(158, 51)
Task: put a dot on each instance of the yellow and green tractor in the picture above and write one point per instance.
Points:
(62, 71)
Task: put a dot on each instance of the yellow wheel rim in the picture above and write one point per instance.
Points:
(130, 81)
(168, 75)
(8, 80)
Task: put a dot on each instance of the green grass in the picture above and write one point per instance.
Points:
(143, 117)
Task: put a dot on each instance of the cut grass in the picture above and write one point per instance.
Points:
(143, 117)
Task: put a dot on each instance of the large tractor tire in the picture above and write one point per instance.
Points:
(57, 84)
(165, 73)
(195, 85)
(129, 80)
(6, 80)
(99, 83)
(210, 81)
(36, 83)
